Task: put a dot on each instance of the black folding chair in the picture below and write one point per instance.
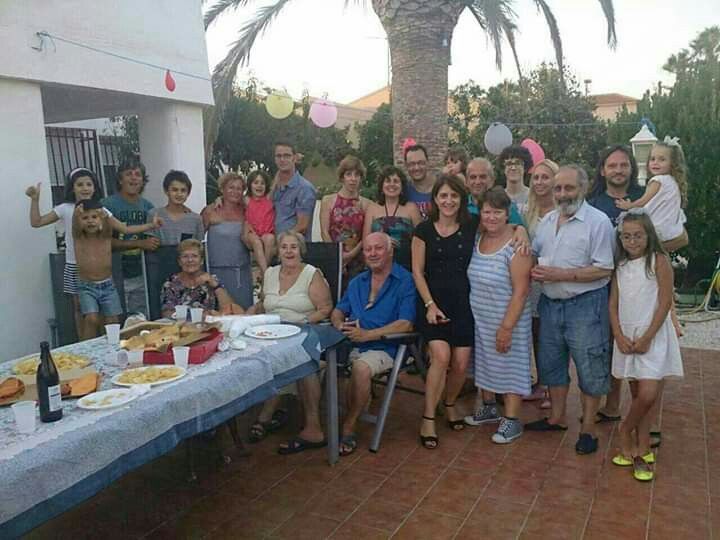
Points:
(327, 256)
(158, 266)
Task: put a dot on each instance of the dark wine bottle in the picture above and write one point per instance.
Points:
(48, 386)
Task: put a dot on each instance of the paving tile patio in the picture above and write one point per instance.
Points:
(468, 488)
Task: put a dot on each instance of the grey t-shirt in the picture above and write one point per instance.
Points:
(173, 231)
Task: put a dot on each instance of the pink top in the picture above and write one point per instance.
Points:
(260, 214)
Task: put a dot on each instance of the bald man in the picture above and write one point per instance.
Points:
(379, 301)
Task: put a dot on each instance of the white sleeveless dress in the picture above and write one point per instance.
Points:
(638, 300)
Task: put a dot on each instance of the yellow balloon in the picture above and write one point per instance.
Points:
(279, 105)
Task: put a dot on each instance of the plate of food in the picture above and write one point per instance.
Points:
(152, 375)
(107, 399)
(272, 331)
(63, 362)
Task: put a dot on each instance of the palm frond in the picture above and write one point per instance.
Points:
(219, 8)
(509, 28)
(496, 18)
(226, 70)
(554, 35)
(609, 11)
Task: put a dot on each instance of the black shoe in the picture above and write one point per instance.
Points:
(544, 425)
(586, 444)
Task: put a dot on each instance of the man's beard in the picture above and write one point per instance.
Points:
(568, 208)
(617, 181)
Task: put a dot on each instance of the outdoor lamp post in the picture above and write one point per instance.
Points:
(642, 143)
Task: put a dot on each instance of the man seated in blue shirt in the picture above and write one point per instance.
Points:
(379, 301)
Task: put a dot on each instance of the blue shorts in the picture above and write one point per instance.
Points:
(577, 327)
(99, 297)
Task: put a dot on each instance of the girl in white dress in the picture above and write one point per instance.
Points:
(646, 347)
(665, 197)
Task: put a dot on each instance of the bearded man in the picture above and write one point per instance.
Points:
(574, 249)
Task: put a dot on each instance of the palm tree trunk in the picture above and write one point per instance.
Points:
(419, 30)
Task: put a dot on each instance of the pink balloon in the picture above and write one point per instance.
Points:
(536, 151)
(323, 113)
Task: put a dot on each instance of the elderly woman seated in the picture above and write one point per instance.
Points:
(298, 293)
(193, 286)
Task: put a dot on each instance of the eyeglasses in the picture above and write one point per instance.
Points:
(513, 163)
(637, 237)
(189, 257)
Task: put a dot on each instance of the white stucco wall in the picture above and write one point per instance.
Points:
(171, 137)
(25, 272)
(163, 32)
(67, 83)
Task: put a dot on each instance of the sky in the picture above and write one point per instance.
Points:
(325, 48)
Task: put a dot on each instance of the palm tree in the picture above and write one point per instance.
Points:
(419, 35)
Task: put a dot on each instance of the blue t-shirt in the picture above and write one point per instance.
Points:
(606, 204)
(395, 301)
(514, 218)
(422, 200)
(130, 214)
(297, 197)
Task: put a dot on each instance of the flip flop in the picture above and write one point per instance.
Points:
(641, 470)
(604, 417)
(601, 418)
(348, 444)
(544, 425)
(621, 461)
(298, 444)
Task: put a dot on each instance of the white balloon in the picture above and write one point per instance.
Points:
(497, 138)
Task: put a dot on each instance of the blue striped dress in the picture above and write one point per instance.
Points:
(490, 292)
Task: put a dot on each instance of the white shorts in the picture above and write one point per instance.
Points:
(378, 361)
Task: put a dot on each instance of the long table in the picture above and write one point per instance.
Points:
(61, 464)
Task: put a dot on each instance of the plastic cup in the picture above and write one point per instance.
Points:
(25, 419)
(135, 358)
(181, 313)
(113, 333)
(543, 261)
(196, 314)
(181, 355)
(121, 360)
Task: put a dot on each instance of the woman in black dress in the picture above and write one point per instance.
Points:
(441, 250)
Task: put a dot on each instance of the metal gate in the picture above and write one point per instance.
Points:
(69, 148)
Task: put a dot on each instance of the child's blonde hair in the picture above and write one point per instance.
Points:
(678, 167)
(533, 212)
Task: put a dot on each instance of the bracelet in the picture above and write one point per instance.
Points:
(429, 303)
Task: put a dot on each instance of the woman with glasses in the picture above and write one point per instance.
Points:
(193, 286)
(516, 163)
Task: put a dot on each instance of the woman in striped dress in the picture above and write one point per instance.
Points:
(499, 286)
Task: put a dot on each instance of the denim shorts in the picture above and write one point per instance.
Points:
(99, 297)
(577, 327)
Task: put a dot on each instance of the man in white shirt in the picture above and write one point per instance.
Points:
(574, 247)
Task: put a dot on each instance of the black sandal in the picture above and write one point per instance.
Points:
(455, 425)
(260, 430)
(429, 441)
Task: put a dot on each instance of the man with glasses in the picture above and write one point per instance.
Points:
(420, 189)
(574, 248)
(293, 195)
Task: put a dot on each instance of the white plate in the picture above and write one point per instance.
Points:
(107, 399)
(272, 331)
(182, 373)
